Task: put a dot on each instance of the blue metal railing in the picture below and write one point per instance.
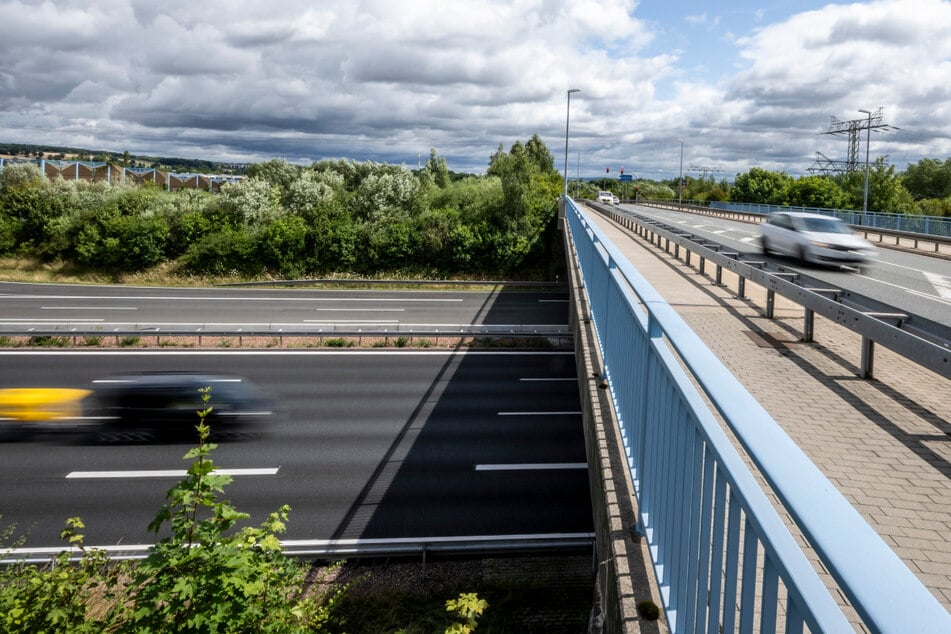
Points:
(722, 556)
(927, 225)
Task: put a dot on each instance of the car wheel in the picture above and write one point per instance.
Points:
(764, 246)
(803, 255)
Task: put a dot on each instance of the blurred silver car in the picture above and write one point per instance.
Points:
(814, 238)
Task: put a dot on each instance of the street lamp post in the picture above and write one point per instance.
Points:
(567, 119)
(578, 174)
(680, 181)
(868, 140)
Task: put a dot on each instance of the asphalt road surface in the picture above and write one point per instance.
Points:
(917, 284)
(102, 306)
(362, 445)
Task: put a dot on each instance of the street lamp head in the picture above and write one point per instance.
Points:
(571, 90)
(865, 111)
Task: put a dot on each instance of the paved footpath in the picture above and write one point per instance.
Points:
(885, 443)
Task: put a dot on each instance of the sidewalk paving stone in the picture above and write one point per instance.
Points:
(884, 442)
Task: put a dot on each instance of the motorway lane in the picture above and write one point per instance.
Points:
(918, 284)
(367, 445)
(104, 305)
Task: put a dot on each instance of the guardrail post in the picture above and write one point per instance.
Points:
(868, 357)
(703, 264)
(741, 288)
(808, 325)
(719, 275)
(687, 257)
(770, 303)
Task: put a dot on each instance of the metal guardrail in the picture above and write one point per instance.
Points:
(930, 226)
(916, 231)
(926, 342)
(723, 558)
(341, 548)
(279, 331)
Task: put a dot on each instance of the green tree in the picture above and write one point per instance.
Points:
(928, 178)
(387, 196)
(816, 191)
(281, 245)
(251, 202)
(437, 170)
(27, 205)
(761, 187)
(539, 155)
(123, 243)
(886, 192)
(276, 172)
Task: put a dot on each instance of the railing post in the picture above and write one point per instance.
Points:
(808, 325)
(868, 357)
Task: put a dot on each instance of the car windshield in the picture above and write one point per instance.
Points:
(824, 225)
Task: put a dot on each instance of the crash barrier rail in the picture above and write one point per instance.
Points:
(921, 233)
(334, 549)
(932, 226)
(119, 331)
(722, 557)
(923, 341)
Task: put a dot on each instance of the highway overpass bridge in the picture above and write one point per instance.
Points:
(821, 430)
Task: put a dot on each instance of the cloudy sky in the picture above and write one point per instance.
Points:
(743, 82)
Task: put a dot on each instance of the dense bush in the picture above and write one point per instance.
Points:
(331, 217)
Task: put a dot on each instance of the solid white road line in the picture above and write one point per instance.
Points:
(242, 298)
(360, 310)
(540, 413)
(162, 473)
(89, 308)
(368, 322)
(354, 544)
(532, 466)
(58, 320)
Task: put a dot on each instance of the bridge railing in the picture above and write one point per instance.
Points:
(909, 223)
(722, 556)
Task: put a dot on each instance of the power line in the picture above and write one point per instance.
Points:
(853, 128)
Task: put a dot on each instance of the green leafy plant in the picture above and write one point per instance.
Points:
(208, 575)
(205, 577)
(128, 342)
(60, 596)
(45, 341)
(468, 607)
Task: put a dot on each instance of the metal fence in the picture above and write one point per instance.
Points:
(722, 556)
(927, 225)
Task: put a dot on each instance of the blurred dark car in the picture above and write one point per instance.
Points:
(167, 403)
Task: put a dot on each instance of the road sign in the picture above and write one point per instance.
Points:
(626, 177)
